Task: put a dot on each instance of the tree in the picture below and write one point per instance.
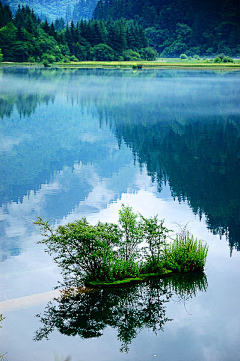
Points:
(155, 234)
(79, 248)
(128, 247)
(148, 53)
(102, 52)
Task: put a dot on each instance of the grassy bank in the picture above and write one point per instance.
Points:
(171, 63)
(160, 64)
(130, 280)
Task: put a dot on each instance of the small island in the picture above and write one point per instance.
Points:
(113, 255)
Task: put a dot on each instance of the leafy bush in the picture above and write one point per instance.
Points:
(148, 54)
(155, 234)
(217, 60)
(131, 55)
(50, 58)
(73, 58)
(46, 63)
(228, 60)
(31, 59)
(109, 252)
(80, 248)
(185, 254)
(66, 59)
(183, 56)
(221, 58)
(197, 57)
(102, 52)
(1, 56)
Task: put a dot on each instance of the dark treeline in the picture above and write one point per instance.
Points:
(24, 37)
(181, 26)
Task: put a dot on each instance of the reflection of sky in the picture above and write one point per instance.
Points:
(207, 324)
(206, 328)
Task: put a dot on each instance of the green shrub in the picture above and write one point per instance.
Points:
(221, 58)
(185, 254)
(66, 59)
(102, 52)
(46, 63)
(1, 56)
(31, 59)
(228, 60)
(197, 57)
(217, 60)
(148, 54)
(109, 252)
(183, 56)
(73, 58)
(130, 55)
(50, 58)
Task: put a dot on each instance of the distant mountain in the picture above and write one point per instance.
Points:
(52, 9)
(203, 27)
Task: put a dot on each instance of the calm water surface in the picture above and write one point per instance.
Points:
(77, 143)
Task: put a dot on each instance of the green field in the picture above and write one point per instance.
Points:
(158, 64)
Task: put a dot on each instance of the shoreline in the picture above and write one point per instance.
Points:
(129, 65)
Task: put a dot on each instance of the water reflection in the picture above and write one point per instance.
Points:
(128, 309)
(184, 127)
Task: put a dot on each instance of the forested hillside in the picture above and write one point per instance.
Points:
(174, 27)
(51, 9)
(24, 37)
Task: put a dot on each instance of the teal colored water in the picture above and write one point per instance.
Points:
(80, 142)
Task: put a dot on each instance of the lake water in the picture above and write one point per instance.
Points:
(80, 142)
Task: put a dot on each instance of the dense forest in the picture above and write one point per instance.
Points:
(24, 37)
(204, 27)
(118, 29)
(52, 9)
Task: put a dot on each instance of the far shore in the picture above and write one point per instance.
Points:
(138, 65)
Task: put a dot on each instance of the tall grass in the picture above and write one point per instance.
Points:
(185, 254)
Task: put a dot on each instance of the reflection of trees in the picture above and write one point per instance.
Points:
(184, 129)
(201, 161)
(128, 309)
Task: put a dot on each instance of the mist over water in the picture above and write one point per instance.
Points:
(80, 142)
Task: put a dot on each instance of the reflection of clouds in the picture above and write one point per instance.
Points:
(7, 143)
(18, 216)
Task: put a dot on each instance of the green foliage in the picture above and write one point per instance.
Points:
(173, 28)
(31, 59)
(222, 58)
(80, 248)
(197, 57)
(183, 56)
(131, 55)
(155, 234)
(102, 52)
(131, 233)
(25, 36)
(49, 58)
(109, 252)
(185, 254)
(46, 63)
(149, 54)
(1, 56)
(74, 58)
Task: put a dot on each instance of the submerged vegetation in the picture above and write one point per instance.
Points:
(134, 249)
